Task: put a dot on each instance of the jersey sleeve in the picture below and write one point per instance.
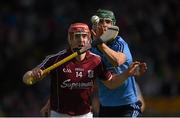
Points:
(102, 72)
(118, 44)
(121, 46)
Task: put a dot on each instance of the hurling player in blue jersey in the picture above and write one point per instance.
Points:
(122, 101)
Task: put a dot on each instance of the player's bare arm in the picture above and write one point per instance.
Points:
(116, 58)
(117, 79)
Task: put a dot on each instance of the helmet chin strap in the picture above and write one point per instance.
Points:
(76, 49)
(87, 44)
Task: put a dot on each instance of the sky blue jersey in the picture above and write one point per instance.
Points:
(127, 92)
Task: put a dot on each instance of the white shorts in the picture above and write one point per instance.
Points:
(56, 114)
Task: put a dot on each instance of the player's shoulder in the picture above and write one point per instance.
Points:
(50, 59)
(57, 55)
(94, 57)
(120, 39)
(60, 53)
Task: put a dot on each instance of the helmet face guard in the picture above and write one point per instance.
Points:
(106, 14)
(75, 30)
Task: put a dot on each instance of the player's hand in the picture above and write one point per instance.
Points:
(45, 111)
(95, 105)
(95, 100)
(96, 33)
(37, 73)
(137, 69)
(143, 68)
(132, 70)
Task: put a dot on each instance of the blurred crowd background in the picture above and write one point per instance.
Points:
(32, 29)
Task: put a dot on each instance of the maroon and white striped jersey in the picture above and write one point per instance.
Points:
(72, 82)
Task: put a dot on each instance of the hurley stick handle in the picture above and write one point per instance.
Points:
(47, 70)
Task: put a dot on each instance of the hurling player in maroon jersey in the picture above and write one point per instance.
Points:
(72, 83)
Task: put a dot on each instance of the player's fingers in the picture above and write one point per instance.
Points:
(93, 33)
(133, 67)
(99, 31)
(41, 72)
(135, 63)
(143, 67)
(37, 73)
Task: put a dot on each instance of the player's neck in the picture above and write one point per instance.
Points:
(81, 57)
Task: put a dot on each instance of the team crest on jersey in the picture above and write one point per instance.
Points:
(67, 70)
(90, 73)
